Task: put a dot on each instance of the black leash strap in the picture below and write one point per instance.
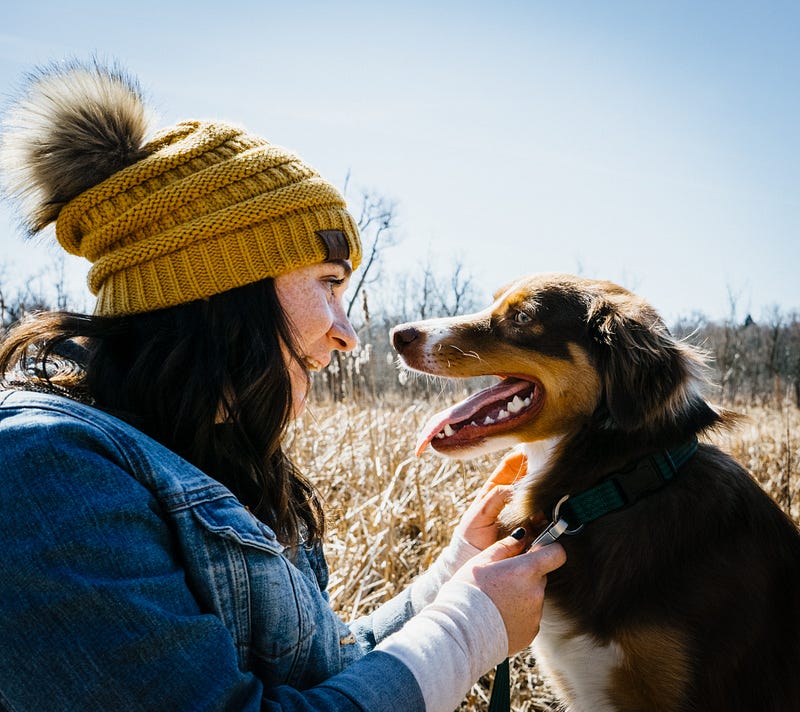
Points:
(500, 700)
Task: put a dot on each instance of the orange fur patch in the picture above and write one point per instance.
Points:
(656, 671)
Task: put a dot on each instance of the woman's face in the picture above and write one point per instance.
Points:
(311, 298)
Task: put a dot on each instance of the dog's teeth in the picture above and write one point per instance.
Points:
(526, 402)
(516, 405)
(474, 424)
(488, 421)
(440, 435)
(448, 431)
(502, 414)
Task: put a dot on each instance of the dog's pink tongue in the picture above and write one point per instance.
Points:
(435, 424)
(466, 409)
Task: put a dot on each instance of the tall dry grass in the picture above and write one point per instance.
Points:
(391, 513)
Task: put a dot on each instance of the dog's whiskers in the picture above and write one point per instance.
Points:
(471, 354)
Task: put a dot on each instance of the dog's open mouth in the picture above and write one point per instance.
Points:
(489, 412)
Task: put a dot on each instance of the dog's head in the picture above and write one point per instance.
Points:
(567, 350)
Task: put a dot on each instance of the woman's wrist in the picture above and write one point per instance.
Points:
(445, 649)
(453, 557)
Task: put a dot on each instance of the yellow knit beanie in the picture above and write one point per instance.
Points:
(202, 208)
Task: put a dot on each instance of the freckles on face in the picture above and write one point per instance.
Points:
(311, 299)
(305, 304)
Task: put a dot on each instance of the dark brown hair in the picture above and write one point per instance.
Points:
(206, 379)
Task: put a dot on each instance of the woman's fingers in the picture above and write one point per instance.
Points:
(515, 580)
(478, 525)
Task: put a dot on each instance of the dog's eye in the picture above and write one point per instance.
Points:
(521, 317)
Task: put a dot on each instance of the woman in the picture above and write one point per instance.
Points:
(160, 550)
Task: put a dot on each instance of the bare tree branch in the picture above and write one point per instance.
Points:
(375, 223)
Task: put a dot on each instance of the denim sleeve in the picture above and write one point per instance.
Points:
(378, 682)
(385, 620)
(95, 613)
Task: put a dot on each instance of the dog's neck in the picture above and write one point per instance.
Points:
(569, 464)
(539, 454)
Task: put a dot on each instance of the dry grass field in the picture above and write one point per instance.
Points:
(390, 513)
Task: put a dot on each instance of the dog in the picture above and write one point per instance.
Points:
(681, 589)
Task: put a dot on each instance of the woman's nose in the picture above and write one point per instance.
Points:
(342, 333)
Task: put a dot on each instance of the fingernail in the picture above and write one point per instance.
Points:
(518, 533)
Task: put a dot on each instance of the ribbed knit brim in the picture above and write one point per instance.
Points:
(209, 208)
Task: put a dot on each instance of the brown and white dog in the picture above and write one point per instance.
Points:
(685, 595)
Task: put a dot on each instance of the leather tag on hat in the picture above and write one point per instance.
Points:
(336, 243)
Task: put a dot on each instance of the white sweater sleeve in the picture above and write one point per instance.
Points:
(453, 557)
(450, 644)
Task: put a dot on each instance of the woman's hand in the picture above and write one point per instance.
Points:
(515, 581)
(477, 529)
(478, 525)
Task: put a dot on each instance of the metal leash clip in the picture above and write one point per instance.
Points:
(557, 528)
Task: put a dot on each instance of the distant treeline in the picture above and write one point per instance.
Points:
(753, 361)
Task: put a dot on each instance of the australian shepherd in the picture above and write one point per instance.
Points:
(681, 589)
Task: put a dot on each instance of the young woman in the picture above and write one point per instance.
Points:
(159, 549)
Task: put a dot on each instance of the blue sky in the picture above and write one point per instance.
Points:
(651, 143)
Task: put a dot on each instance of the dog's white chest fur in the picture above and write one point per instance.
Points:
(575, 665)
(538, 454)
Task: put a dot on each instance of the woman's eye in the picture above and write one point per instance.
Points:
(521, 317)
(334, 282)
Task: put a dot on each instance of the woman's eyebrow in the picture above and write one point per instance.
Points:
(344, 264)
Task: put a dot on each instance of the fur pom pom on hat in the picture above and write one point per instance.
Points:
(199, 209)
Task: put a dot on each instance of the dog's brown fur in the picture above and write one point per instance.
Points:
(690, 598)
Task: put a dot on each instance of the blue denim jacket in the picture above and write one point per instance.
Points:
(131, 580)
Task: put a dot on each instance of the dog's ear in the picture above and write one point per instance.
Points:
(648, 376)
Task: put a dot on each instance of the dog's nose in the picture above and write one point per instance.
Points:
(402, 336)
